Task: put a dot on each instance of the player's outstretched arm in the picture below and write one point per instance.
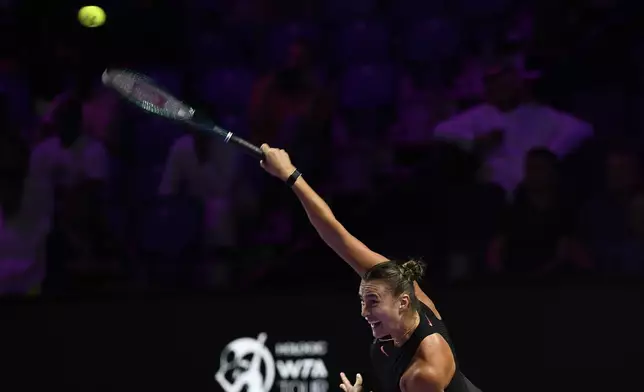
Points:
(348, 247)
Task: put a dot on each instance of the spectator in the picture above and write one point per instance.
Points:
(521, 25)
(420, 109)
(201, 174)
(99, 116)
(290, 108)
(468, 86)
(21, 265)
(204, 168)
(13, 86)
(421, 106)
(605, 221)
(537, 233)
(70, 167)
(502, 130)
(12, 163)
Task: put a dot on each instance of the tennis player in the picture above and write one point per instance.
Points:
(412, 351)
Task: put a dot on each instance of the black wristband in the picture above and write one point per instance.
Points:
(290, 181)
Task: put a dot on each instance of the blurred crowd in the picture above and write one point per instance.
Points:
(495, 139)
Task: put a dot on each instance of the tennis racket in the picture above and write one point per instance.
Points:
(144, 93)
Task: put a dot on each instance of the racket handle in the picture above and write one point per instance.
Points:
(248, 147)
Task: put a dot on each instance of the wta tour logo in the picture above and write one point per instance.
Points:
(247, 365)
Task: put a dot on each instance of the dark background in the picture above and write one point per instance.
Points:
(123, 320)
(582, 338)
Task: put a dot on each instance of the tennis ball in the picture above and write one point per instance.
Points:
(91, 16)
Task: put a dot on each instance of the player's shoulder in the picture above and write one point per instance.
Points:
(433, 366)
(427, 306)
(432, 347)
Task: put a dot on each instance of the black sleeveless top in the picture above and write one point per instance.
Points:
(391, 362)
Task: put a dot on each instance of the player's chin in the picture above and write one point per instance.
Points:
(378, 331)
(380, 335)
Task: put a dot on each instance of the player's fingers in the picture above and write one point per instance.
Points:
(261, 163)
(358, 380)
(343, 387)
(265, 147)
(345, 380)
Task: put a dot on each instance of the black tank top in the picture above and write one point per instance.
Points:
(391, 362)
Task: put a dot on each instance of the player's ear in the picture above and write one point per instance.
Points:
(405, 301)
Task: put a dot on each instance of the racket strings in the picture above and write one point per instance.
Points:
(146, 95)
(142, 92)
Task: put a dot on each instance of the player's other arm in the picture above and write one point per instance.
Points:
(423, 380)
(432, 369)
(334, 234)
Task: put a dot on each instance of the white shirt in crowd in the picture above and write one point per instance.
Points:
(528, 126)
(23, 238)
(211, 182)
(53, 163)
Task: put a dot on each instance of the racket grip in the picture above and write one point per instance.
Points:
(248, 147)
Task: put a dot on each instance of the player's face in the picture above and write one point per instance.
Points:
(380, 308)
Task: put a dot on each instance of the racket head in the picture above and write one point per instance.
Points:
(144, 93)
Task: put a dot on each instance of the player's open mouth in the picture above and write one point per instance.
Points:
(374, 324)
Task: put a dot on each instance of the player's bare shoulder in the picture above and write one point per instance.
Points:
(433, 366)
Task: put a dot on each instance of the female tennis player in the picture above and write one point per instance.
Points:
(412, 351)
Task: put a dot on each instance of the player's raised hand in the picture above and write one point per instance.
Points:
(346, 384)
(277, 162)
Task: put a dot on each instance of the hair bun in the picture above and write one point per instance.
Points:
(413, 270)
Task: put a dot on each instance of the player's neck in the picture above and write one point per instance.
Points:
(408, 326)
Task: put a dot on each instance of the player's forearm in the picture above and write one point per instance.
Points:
(349, 248)
(319, 212)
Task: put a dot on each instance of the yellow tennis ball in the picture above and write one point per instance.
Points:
(91, 16)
